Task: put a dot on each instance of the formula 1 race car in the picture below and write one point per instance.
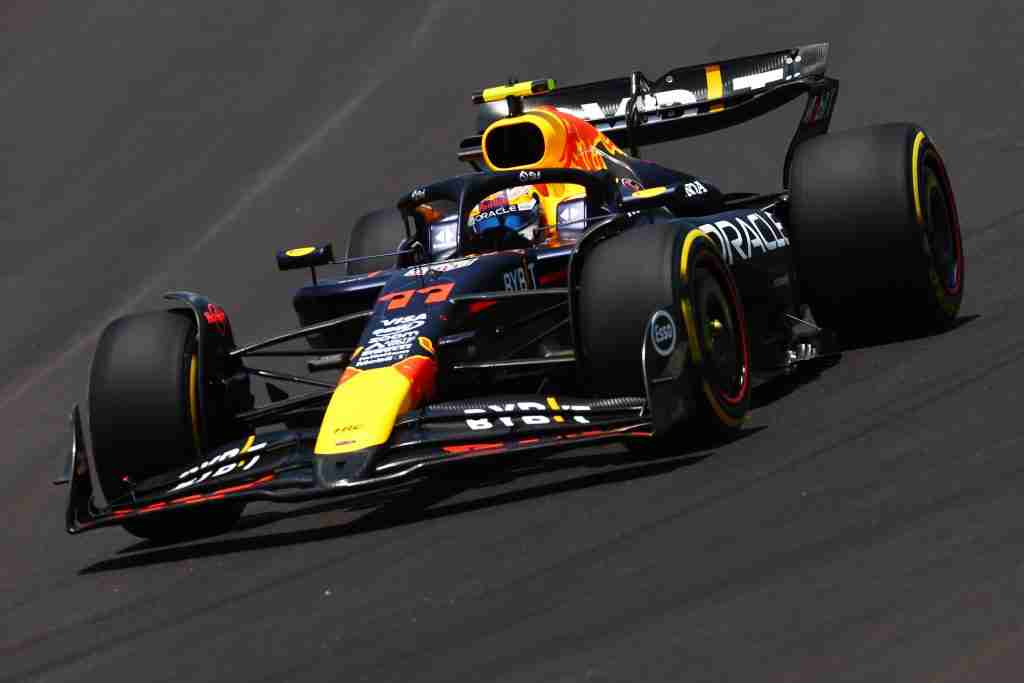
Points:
(565, 293)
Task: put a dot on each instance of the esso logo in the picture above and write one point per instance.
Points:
(663, 333)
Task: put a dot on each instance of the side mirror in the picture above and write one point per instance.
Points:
(305, 257)
(652, 198)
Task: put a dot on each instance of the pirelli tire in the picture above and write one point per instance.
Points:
(629, 277)
(143, 417)
(876, 233)
(378, 232)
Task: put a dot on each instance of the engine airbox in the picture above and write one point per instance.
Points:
(536, 139)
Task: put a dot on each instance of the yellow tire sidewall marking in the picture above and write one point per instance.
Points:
(726, 419)
(688, 314)
(691, 326)
(916, 175)
(193, 399)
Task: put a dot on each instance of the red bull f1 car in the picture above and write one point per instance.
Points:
(565, 292)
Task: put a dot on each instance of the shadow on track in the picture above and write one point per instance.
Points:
(882, 339)
(417, 503)
(779, 387)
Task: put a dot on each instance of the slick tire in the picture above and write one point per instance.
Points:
(876, 234)
(378, 232)
(143, 416)
(626, 279)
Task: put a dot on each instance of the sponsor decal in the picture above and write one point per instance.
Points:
(743, 237)
(505, 197)
(592, 111)
(493, 202)
(515, 194)
(516, 280)
(392, 340)
(434, 294)
(524, 413)
(418, 194)
(758, 80)
(499, 211)
(343, 431)
(216, 318)
(206, 470)
(529, 176)
(663, 333)
(442, 267)
(695, 188)
(819, 107)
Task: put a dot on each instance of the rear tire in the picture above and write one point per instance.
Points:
(143, 416)
(378, 232)
(626, 279)
(876, 234)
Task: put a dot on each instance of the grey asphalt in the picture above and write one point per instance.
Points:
(868, 527)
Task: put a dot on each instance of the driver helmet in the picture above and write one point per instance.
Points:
(507, 214)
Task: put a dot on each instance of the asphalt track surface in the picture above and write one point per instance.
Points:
(868, 526)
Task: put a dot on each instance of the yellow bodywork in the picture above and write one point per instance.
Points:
(363, 410)
(366, 403)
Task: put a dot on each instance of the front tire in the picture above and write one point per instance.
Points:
(876, 233)
(144, 416)
(378, 232)
(626, 279)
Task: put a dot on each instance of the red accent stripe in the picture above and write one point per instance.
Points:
(474, 447)
(478, 306)
(559, 277)
(187, 500)
(196, 498)
(244, 487)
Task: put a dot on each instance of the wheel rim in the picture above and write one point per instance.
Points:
(722, 341)
(941, 241)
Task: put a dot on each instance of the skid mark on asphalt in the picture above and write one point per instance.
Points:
(268, 180)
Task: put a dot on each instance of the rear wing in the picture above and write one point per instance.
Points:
(634, 111)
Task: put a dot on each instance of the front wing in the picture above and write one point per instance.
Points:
(279, 466)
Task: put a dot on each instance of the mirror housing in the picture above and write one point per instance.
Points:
(305, 257)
